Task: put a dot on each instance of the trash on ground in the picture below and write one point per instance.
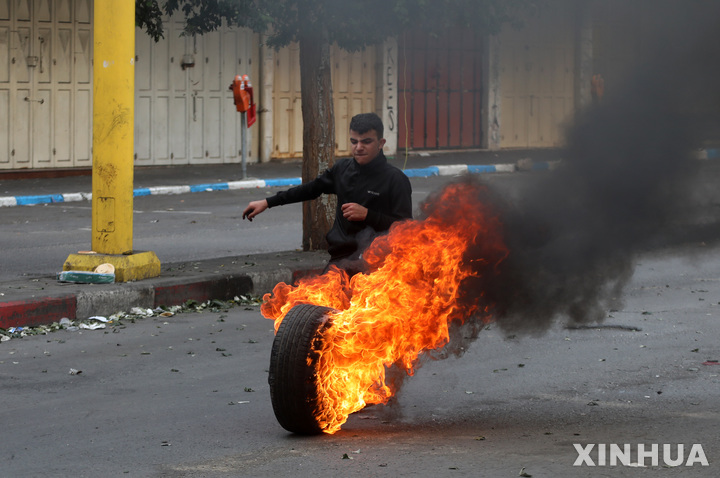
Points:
(106, 268)
(85, 277)
(141, 311)
(99, 318)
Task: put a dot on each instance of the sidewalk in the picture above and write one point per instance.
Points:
(41, 301)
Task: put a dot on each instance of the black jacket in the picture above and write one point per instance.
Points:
(380, 187)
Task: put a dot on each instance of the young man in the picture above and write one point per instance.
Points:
(371, 194)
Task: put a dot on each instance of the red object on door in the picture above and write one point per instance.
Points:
(251, 115)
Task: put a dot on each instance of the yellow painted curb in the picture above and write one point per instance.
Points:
(128, 267)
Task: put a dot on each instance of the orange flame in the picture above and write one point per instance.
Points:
(402, 308)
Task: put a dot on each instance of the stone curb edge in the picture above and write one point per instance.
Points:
(107, 300)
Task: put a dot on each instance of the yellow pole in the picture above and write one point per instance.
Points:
(113, 148)
(113, 111)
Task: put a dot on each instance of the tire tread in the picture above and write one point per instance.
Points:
(293, 392)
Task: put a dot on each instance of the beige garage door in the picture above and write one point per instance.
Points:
(353, 79)
(536, 76)
(617, 37)
(45, 83)
(184, 111)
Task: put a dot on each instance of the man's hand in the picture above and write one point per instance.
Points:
(354, 212)
(254, 208)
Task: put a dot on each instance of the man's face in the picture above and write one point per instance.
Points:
(366, 146)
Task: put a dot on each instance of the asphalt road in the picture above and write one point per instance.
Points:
(187, 396)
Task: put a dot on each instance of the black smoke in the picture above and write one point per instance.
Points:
(628, 181)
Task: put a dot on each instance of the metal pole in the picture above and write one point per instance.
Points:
(243, 136)
(113, 115)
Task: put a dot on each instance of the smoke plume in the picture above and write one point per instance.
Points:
(628, 177)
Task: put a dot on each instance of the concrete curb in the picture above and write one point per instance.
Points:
(446, 170)
(113, 298)
(708, 154)
(31, 312)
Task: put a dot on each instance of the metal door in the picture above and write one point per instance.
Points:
(45, 83)
(440, 91)
(353, 81)
(184, 111)
(536, 76)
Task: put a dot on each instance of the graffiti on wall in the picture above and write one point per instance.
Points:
(390, 87)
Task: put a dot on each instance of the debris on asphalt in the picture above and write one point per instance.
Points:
(141, 312)
(136, 313)
(629, 328)
(75, 371)
(523, 474)
(93, 323)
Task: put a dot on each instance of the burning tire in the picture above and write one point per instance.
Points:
(293, 360)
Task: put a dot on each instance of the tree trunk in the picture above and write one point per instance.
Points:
(318, 134)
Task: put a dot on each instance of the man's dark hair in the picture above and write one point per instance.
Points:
(365, 122)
